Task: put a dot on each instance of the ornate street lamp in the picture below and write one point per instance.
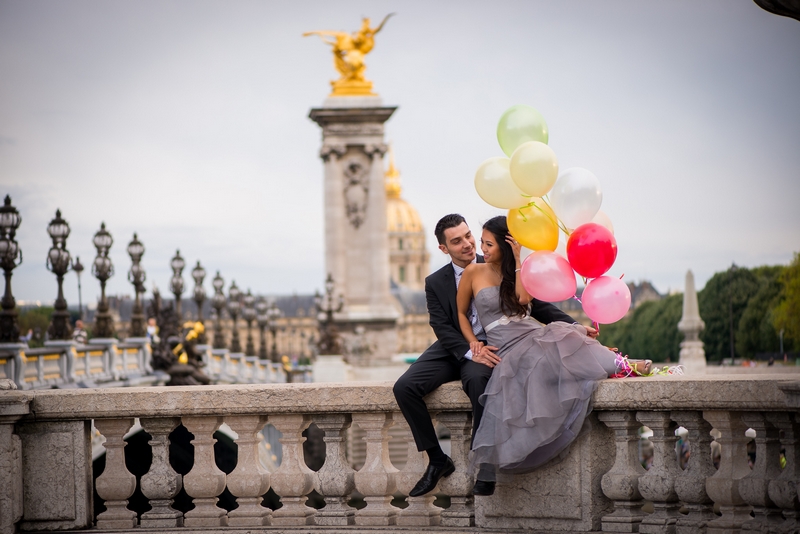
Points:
(273, 314)
(10, 257)
(137, 276)
(78, 268)
(218, 302)
(58, 262)
(234, 306)
(249, 315)
(103, 269)
(263, 320)
(176, 284)
(199, 274)
(329, 342)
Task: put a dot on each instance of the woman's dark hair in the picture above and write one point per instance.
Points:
(509, 303)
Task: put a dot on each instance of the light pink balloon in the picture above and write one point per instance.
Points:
(547, 276)
(606, 299)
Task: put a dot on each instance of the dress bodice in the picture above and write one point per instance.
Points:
(501, 331)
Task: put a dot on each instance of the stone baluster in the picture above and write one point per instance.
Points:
(161, 483)
(249, 481)
(293, 480)
(754, 488)
(621, 483)
(690, 485)
(116, 484)
(420, 511)
(784, 490)
(205, 481)
(723, 486)
(658, 483)
(458, 485)
(335, 479)
(376, 478)
(13, 406)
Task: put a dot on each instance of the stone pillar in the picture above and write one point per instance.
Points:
(754, 488)
(458, 485)
(249, 481)
(420, 511)
(356, 235)
(692, 356)
(621, 483)
(376, 478)
(336, 477)
(116, 484)
(293, 480)
(784, 490)
(205, 481)
(658, 483)
(13, 405)
(161, 483)
(690, 486)
(723, 487)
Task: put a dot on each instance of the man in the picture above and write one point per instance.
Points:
(79, 334)
(450, 357)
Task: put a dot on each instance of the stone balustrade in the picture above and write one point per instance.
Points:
(600, 485)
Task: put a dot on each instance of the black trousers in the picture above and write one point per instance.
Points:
(433, 368)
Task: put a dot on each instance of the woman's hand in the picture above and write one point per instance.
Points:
(515, 247)
(475, 347)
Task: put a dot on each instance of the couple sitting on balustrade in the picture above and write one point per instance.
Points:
(530, 385)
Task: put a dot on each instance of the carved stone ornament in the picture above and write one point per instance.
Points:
(328, 149)
(356, 188)
(352, 128)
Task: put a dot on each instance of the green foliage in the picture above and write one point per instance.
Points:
(36, 320)
(650, 332)
(722, 303)
(756, 332)
(786, 314)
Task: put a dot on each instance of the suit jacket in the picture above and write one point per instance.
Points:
(440, 295)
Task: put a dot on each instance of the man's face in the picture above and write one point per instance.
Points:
(459, 243)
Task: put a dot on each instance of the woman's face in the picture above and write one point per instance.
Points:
(490, 247)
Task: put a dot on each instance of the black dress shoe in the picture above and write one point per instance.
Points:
(483, 487)
(431, 477)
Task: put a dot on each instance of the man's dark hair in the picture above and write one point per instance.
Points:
(448, 221)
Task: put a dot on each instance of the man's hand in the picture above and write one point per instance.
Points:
(591, 332)
(486, 356)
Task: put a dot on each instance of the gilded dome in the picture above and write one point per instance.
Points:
(400, 215)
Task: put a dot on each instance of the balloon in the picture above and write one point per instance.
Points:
(494, 185)
(561, 249)
(547, 276)
(534, 168)
(591, 250)
(520, 124)
(534, 226)
(603, 220)
(576, 197)
(606, 299)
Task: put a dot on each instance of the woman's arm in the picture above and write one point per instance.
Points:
(522, 295)
(463, 299)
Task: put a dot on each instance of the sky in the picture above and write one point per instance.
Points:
(187, 123)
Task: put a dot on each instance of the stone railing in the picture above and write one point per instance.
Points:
(45, 456)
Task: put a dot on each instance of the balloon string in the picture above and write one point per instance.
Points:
(560, 223)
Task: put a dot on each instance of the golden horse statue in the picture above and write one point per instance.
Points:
(348, 57)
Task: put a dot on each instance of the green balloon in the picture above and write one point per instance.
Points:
(520, 124)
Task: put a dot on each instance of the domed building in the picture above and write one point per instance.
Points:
(409, 261)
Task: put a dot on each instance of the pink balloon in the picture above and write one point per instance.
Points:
(606, 299)
(547, 276)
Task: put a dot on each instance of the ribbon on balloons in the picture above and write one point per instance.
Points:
(548, 277)
(534, 226)
(591, 250)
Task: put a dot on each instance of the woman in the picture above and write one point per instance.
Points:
(539, 393)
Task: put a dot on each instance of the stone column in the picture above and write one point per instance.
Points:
(205, 481)
(458, 485)
(692, 356)
(690, 485)
(161, 483)
(249, 481)
(658, 483)
(116, 484)
(754, 488)
(723, 487)
(784, 490)
(13, 405)
(420, 511)
(621, 483)
(293, 480)
(336, 478)
(376, 479)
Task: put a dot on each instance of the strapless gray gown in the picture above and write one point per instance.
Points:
(539, 394)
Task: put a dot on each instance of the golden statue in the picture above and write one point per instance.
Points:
(348, 57)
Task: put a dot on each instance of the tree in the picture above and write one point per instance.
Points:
(650, 332)
(756, 331)
(36, 320)
(786, 315)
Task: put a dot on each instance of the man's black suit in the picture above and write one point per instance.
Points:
(444, 361)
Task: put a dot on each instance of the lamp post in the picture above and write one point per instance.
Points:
(58, 263)
(218, 302)
(137, 276)
(103, 269)
(273, 314)
(199, 274)
(78, 268)
(249, 315)
(263, 320)
(234, 306)
(176, 284)
(10, 257)
(328, 333)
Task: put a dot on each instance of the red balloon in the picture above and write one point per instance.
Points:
(591, 250)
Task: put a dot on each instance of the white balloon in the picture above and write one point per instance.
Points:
(494, 185)
(576, 196)
(603, 220)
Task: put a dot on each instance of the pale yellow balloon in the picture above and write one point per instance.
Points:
(534, 168)
(603, 220)
(494, 185)
(534, 226)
